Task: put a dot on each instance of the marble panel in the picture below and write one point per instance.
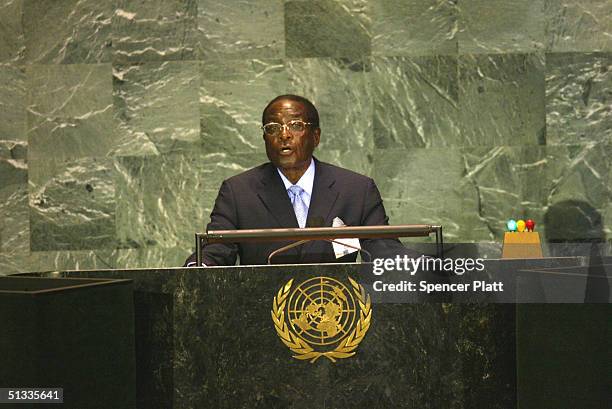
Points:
(162, 201)
(584, 183)
(578, 25)
(148, 257)
(428, 186)
(578, 89)
(241, 30)
(607, 219)
(579, 172)
(500, 26)
(327, 28)
(14, 221)
(484, 115)
(13, 150)
(530, 182)
(72, 204)
(157, 107)
(14, 224)
(12, 103)
(36, 261)
(154, 256)
(154, 30)
(68, 31)
(354, 159)
(233, 95)
(11, 264)
(12, 40)
(70, 111)
(413, 27)
(415, 102)
(13, 172)
(501, 99)
(339, 90)
(499, 188)
(479, 328)
(98, 259)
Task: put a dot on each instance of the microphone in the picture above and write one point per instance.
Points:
(315, 221)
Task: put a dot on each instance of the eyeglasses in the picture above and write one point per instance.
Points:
(295, 128)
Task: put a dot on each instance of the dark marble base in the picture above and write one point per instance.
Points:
(205, 338)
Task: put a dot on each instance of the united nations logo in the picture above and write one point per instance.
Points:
(322, 317)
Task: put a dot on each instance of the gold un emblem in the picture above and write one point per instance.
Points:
(322, 317)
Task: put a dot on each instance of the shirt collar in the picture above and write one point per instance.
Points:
(306, 181)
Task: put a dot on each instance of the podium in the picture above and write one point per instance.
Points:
(204, 337)
(70, 333)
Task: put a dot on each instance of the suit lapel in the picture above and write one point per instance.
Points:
(272, 193)
(324, 195)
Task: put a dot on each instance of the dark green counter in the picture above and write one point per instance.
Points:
(205, 339)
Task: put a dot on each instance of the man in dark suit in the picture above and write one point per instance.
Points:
(295, 190)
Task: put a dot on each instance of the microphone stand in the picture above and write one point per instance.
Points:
(299, 243)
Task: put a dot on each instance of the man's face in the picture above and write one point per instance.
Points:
(289, 150)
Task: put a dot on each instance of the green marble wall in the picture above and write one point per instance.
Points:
(119, 119)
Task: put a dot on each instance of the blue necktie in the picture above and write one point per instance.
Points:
(299, 206)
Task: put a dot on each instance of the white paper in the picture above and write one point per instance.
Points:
(339, 249)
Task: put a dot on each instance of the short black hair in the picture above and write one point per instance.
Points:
(311, 112)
